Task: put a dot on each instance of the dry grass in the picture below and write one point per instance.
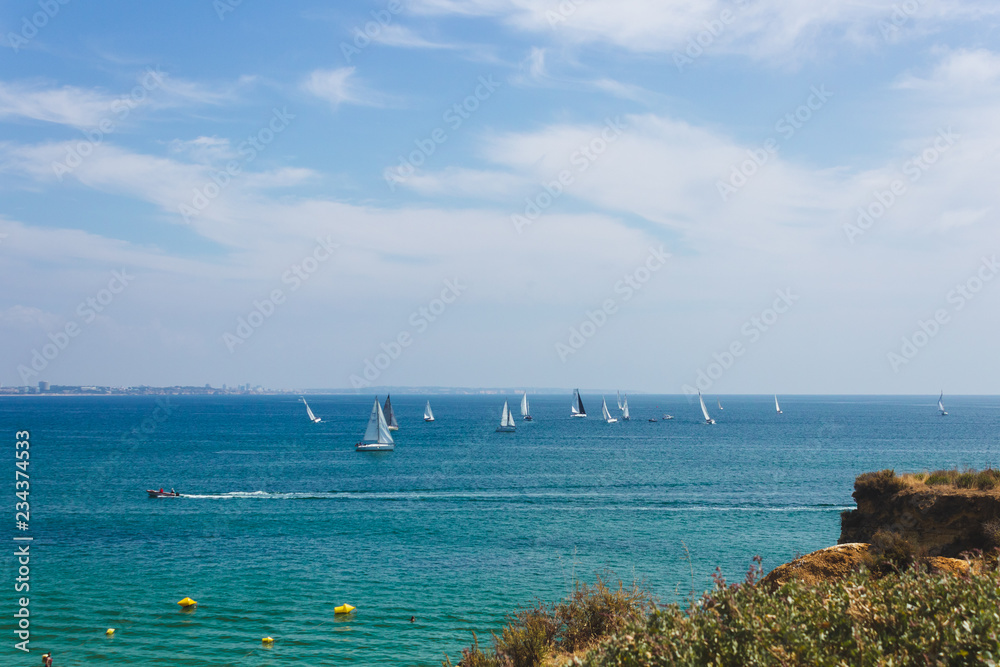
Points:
(885, 482)
(879, 483)
(588, 615)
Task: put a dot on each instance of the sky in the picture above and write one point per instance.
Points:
(737, 196)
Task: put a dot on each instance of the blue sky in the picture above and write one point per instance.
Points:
(755, 196)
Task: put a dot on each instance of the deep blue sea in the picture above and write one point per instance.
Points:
(282, 520)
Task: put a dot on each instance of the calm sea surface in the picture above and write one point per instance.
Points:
(282, 520)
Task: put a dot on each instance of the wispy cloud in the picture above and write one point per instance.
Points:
(86, 107)
(958, 71)
(763, 29)
(403, 37)
(339, 86)
(67, 105)
(473, 184)
(535, 72)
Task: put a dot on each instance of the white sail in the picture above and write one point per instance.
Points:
(719, 403)
(371, 433)
(604, 412)
(428, 414)
(524, 405)
(625, 414)
(620, 406)
(377, 433)
(941, 404)
(776, 406)
(506, 419)
(313, 418)
(577, 409)
(384, 438)
(704, 410)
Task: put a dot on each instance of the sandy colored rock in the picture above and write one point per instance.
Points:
(837, 562)
(828, 564)
(942, 565)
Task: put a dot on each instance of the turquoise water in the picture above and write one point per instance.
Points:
(283, 520)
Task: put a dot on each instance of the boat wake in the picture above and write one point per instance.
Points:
(597, 500)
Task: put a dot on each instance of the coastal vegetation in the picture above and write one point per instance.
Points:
(906, 615)
(914, 580)
(887, 481)
(589, 615)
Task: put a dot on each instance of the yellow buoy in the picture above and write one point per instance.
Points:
(268, 640)
(187, 602)
(343, 609)
(109, 631)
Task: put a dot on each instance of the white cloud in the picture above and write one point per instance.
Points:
(165, 182)
(468, 183)
(204, 150)
(87, 107)
(960, 71)
(403, 37)
(26, 317)
(759, 28)
(67, 105)
(338, 86)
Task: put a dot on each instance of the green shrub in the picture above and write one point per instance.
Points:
(988, 479)
(965, 480)
(939, 477)
(906, 618)
(887, 552)
(473, 656)
(589, 614)
(883, 482)
(527, 638)
(594, 612)
(919, 476)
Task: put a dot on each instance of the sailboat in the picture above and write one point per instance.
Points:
(313, 418)
(577, 409)
(620, 407)
(390, 417)
(604, 412)
(625, 415)
(704, 410)
(719, 404)
(776, 406)
(941, 405)
(506, 420)
(525, 412)
(428, 415)
(377, 438)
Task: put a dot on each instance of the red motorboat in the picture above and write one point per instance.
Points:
(162, 494)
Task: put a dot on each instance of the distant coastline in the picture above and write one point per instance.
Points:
(45, 389)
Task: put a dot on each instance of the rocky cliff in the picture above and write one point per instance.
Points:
(936, 520)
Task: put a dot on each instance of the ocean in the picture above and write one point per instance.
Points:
(281, 520)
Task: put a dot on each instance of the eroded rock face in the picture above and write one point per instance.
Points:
(937, 521)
